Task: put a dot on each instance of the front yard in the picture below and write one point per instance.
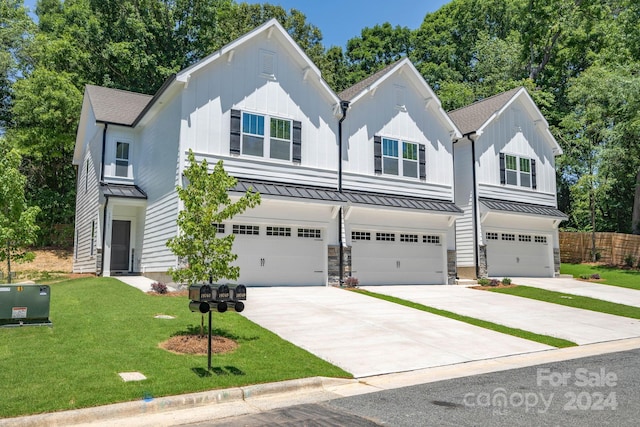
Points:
(609, 275)
(102, 327)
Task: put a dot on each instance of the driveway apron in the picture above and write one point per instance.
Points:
(367, 336)
(573, 324)
(586, 289)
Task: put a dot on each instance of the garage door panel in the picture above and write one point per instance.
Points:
(525, 255)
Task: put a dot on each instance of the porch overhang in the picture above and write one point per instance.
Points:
(391, 201)
(519, 208)
(127, 191)
(291, 191)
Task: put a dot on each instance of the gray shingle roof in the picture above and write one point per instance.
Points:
(122, 190)
(350, 93)
(116, 106)
(470, 118)
(523, 208)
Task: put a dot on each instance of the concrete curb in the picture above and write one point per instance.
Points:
(172, 403)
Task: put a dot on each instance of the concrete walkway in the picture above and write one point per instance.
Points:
(367, 336)
(573, 324)
(586, 289)
(140, 282)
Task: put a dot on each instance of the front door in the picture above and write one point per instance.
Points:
(120, 241)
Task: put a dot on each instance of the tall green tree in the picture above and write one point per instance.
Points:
(206, 203)
(17, 220)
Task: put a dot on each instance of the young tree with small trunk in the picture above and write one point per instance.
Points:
(206, 203)
(18, 227)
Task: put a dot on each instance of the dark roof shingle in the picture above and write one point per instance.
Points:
(470, 118)
(350, 93)
(116, 106)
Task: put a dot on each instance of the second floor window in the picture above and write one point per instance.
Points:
(122, 159)
(403, 163)
(276, 144)
(518, 171)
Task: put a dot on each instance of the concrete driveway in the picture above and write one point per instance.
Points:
(367, 336)
(586, 289)
(577, 325)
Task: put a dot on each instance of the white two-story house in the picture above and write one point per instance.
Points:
(505, 182)
(260, 105)
(397, 175)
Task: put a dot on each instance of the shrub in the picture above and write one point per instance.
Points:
(494, 282)
(351, 282)
(483, 282)
(506, 281)
(585, 276)
(159, 287)
(629, 260)
(595, 276)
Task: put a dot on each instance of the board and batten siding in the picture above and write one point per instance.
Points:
(515, 133)
(88, 202)
(465, 250)
(381, 115)
(216, 89)
(157, 175)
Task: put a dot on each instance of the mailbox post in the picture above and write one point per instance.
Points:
(205, 297)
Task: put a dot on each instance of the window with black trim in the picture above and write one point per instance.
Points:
(396, 162)
(517, 171)
(261, 135)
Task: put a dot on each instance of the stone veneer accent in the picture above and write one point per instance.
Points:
(452, 272)
(556, 261)
(482, 261)
(334, 263)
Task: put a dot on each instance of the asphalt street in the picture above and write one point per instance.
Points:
(600, 390)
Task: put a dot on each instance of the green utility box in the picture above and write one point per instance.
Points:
(25, 304)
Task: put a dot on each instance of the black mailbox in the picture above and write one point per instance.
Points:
(201, 292)
(222, 293)
(238, 292)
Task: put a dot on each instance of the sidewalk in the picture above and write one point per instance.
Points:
(586, 289)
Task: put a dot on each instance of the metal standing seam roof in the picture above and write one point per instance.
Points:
(523, 208)
(470, 118)
(347, 196)
(122, 190)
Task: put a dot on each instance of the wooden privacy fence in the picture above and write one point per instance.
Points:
(575, 247)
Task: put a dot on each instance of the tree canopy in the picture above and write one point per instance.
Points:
(579, 59)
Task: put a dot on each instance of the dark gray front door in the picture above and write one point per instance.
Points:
(120, 236)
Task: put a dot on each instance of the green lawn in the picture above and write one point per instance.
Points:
(610, 275)
(543, 339)
(571, 300)
(102, 327)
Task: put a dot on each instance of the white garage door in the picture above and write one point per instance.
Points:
(280, 255)
(384, 258)
(518, 255)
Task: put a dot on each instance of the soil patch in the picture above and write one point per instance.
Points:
(47, 259)
(197, 345)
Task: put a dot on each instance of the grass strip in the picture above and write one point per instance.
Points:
(102, 327)
(611, 276)
(571, 300)
(543, 339)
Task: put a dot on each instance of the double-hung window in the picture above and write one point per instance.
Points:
(393, 164)
(518, 171)
(272, 141)
(122, 159)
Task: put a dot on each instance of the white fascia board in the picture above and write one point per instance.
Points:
(373, 86)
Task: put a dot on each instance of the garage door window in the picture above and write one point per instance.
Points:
(492, 236)
(540, 239)
(385, 237)
(360, 235)
(253, 230)
(279, 231)
(219, 228)
(409, 238)
(435, 240)
(509, 237)
(314, 233)
(524, 238)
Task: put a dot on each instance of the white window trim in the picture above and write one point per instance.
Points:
(518, 171)
(266, 138)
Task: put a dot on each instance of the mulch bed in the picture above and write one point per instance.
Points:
(197, 345)
(486, 288)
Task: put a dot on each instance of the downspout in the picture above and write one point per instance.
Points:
(104, 233)
(474, 207)
(104, 146)
(344, 106)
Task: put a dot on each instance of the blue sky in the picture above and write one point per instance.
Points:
(341, 20)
